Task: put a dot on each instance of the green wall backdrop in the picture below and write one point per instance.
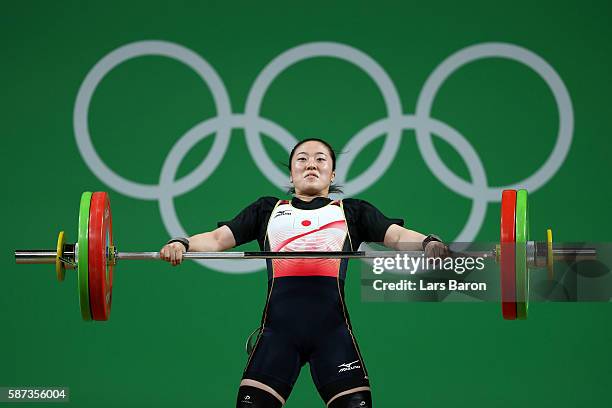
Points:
(176, 335)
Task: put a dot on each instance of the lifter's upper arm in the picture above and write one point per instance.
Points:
(392, 236)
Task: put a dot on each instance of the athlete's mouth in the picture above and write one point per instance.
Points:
(311, 175)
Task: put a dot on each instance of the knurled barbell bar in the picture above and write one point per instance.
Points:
(94, 255)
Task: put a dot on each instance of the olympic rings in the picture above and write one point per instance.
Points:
(253, 124)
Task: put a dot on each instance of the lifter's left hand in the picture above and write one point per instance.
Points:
(436, 249)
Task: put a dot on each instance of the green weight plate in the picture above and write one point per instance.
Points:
(527, 279)
(82, 253)
(522, 236)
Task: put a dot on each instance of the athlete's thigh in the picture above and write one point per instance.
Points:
(336, 365)
(274, 362)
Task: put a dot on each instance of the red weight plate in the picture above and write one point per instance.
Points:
(100, 270)
(507, 256)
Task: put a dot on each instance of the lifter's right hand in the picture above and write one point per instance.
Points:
(173, 253)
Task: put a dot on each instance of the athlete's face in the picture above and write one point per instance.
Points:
(312, 169)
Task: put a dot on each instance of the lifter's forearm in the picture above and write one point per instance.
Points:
(402, 239)
(204, 242)
(213, 241)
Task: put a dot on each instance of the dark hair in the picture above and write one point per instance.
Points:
(332, 188)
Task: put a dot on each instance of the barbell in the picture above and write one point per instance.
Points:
(95, 255)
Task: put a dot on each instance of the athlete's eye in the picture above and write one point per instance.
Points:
(321, 159)
(301, 159)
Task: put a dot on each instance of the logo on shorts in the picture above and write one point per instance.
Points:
(348, 366)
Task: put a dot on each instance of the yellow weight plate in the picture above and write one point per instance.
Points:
(60, 269)
(549, 255)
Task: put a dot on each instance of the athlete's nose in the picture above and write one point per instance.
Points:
(312, 164)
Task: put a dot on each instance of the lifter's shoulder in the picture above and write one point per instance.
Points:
(263, 205)
(351, 201)
(354, 204)
(266, 202)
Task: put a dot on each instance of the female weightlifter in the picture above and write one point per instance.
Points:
(305, 318)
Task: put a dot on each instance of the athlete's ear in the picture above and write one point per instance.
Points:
(333, 176)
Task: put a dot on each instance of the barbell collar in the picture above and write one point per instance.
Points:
(40, 256)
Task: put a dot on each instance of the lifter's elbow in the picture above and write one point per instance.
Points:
(222, 239)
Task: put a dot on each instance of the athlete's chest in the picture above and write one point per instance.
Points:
(293, 229)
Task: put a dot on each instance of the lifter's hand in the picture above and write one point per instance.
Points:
(173, 253)
(436, 249)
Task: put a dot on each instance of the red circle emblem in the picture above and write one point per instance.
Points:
(306, 223)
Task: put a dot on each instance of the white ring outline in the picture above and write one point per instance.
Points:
(495, 50)
(315, 50)
(119, 56)
(171, 165)
(393, 125)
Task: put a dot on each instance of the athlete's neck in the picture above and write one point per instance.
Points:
(309, 197)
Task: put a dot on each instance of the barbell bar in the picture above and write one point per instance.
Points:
(94, 255)
(48, 256)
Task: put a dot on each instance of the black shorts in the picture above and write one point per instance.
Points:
(312, 328)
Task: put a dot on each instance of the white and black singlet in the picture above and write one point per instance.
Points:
(305, 318)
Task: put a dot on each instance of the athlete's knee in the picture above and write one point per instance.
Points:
(252, 397)
(360, 399)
